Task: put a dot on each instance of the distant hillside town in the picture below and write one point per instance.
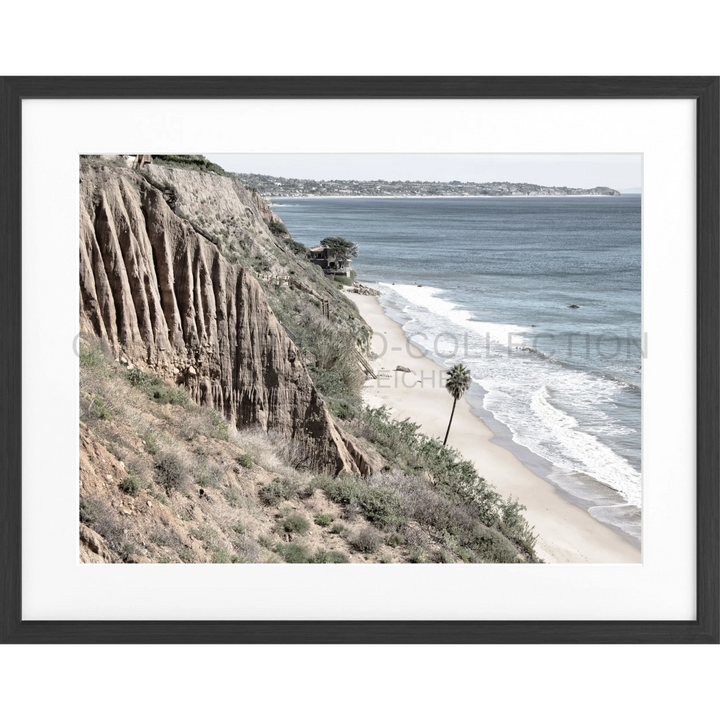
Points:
(270, 187)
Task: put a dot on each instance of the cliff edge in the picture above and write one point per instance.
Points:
(165, 298)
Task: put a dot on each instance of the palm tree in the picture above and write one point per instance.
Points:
(457, 385)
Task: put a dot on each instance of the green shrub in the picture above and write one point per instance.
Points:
(91, 357)
(119, 453)
(218, 428)
(277, 227)
(444, 556)
(417, 555)
(90, 511)
(170, 471)
(156, 389)
(278, 489)
(295, 523)
(186, 554)
(382, 506)
(296, 248)
(267, 541)
(464, 554)
(368, 540)
(233, 496)
(165, 537)
(234, 257)
(293, 553)
(338, 529)
(131, 485)
(138, 378)
(205, 532)
(128, 550)
(305, 492)
(342, 409)
(379, 505)
(239, 528)
(206, 474)
(516, 527)
(221, 556)
(492, 546)
(342, 489)
(99, 409)
(330, 556)
(150, 440)
(323, 519)
(245, 461)
(158, 497)
(170, 396)
(343, 280)
(331, 383)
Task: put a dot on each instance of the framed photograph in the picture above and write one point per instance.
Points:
(360, 360)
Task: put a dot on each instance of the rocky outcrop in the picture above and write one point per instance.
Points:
(164, 297)
(368, 460)
(360, 289)
(93, 549)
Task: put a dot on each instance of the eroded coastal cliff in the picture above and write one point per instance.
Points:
(165, 298)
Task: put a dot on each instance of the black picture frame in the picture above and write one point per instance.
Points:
(706, 93)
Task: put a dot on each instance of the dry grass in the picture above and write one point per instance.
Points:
(367, 540)
(184, 482)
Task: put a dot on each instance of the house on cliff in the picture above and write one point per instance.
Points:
(329, 260)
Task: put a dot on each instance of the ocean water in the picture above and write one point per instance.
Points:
(489, 282)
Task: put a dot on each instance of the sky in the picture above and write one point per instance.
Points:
(618, 171)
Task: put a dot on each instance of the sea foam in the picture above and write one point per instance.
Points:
(540, 399)
(429, 299)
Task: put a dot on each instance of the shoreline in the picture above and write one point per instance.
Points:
(270, 198)
(566, 532)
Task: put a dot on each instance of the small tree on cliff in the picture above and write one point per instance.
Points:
(457, 385)
(344, 249)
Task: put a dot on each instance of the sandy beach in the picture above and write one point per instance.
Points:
(566, 533)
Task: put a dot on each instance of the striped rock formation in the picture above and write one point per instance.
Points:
(165, 298)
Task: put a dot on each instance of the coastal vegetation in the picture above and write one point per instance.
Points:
(344, 249)
(197, 162)
(181, 485)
